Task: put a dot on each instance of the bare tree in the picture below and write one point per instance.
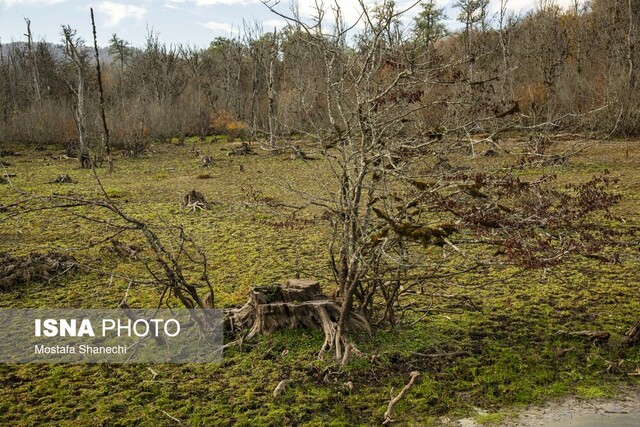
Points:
(76, 53)
(103, 117)
(33, 64)
(395, 196)
(273, 58)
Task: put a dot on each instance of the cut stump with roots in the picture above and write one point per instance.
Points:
(297, 304)
(195, 200)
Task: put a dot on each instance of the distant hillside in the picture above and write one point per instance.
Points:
(56, 50)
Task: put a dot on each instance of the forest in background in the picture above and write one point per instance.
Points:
(575, 67)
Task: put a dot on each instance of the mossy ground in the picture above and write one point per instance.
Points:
(507, 328)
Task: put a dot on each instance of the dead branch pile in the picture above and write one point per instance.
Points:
(195, 200)
(296, 304)
(555, 160)
(62, 179)
(125, 250)
(243, 149)
(15, 272)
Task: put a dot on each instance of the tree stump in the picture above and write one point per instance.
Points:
(633, 334)
(195, 200)
(296, 304)
(62, 179)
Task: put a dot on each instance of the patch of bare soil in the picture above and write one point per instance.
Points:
(621, 411)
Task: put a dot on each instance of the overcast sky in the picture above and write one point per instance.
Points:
(194, 22)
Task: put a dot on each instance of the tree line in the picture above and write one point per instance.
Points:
(575, 67)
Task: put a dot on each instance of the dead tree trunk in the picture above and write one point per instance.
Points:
(106, 141)
(78, 58)
(272, 93)
(33, 64)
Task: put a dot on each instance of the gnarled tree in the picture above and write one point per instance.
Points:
(402, 215)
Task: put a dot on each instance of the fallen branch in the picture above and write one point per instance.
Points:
(591, 335)
(387, 415)
(443, 355)
(169, 415)
(280, 387)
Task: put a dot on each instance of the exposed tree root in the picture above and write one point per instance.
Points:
(195, 200)
(296, 304)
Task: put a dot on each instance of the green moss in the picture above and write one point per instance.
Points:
(593, 391)
(500, 326)
(492, 419)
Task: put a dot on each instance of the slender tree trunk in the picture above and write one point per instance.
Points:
(5, 88)
(78, 60)
(272, 94)
(33, 64)
(105, 135)
(630, 49)
(85, 159)
(503, 46)
(254, 97)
